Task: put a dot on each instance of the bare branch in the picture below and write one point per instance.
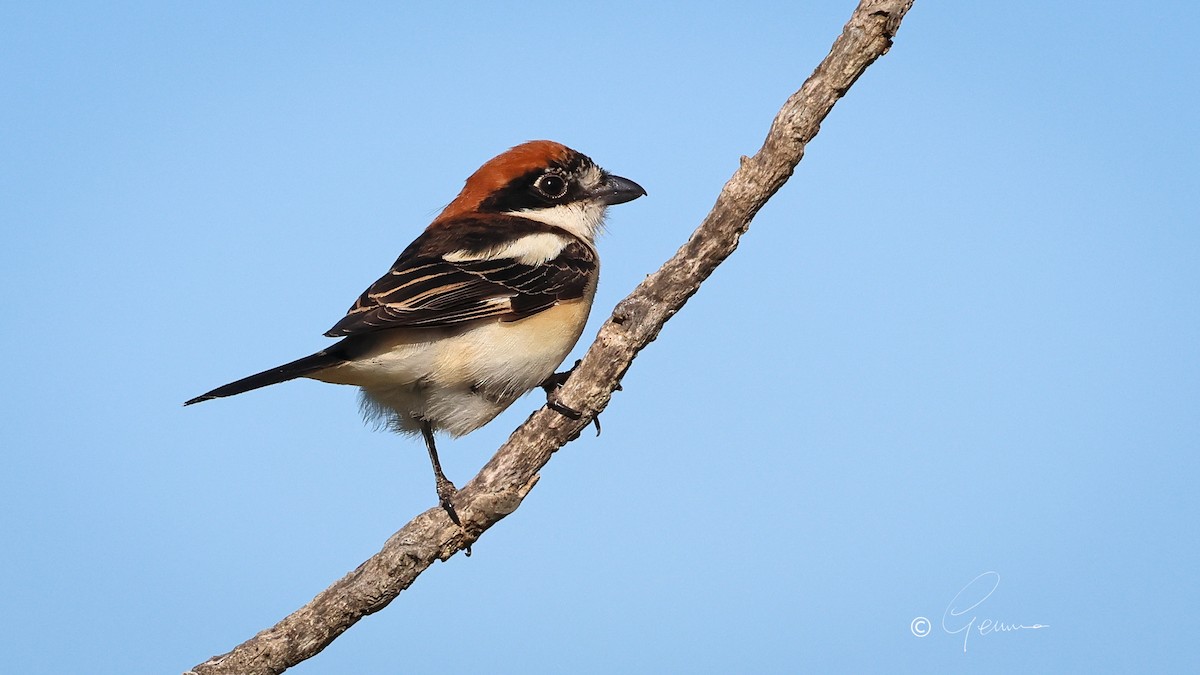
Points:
(503, 483)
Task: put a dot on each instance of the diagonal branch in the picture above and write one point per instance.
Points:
(501, 485)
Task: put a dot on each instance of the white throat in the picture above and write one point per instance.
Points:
(582, 219)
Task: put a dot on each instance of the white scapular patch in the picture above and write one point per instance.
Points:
(532, 249)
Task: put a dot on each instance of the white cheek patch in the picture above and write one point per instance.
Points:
(581, 219)
(532, 249)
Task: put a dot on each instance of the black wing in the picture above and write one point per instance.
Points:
(425, 291)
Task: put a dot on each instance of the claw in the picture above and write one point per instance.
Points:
(552, 383)
(565, 411)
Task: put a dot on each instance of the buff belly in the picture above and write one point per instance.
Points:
(458, 379)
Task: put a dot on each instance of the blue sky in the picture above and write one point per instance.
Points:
(962, 340)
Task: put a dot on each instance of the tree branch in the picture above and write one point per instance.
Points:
(503, 483)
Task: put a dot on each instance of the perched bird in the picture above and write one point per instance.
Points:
(481, 308)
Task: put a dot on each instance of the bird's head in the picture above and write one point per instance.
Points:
(544, 181)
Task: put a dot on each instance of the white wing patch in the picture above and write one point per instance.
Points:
(532, 249)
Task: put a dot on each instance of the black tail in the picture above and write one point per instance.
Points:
(288, 371)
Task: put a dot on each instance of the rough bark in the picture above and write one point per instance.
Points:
(504, 482)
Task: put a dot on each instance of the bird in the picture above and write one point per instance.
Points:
(481, 308)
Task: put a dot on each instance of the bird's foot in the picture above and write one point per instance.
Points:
(552, 384)
(446, 492)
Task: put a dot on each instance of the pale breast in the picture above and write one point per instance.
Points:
(460, 380)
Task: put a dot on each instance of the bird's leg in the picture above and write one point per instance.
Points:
(445, 489)
(551, 384)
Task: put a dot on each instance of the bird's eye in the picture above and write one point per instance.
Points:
(551, 185)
